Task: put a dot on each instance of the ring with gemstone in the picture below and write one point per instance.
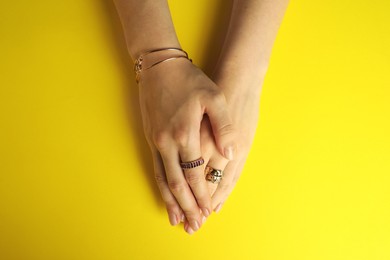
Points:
(213, 175)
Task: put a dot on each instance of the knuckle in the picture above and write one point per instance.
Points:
(190, 214)
(182, 137)
(172, 206)
(160, 139)
(226, 129)
(210, 94)
(177, 187)
(160, 178)
(193, 178)
(218, 97)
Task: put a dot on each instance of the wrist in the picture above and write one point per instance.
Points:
(250, 67)
(166, 73)
(235, 78)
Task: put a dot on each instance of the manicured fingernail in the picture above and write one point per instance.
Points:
(203, 220)
(218, 208)
(229, 153)
(173, 219)
(190, 231)
(195, 225)
(205, 212)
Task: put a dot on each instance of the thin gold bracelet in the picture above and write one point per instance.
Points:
(138, 62)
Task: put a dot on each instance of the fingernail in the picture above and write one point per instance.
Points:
(182, 217)
(203, 220)
(229, 153)
(218, 208)
(173, 219)
(190, 231)
(195, 225)
(205, 212)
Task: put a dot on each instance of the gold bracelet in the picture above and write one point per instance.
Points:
(138, 64)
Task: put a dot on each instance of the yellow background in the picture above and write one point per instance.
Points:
(75, 171)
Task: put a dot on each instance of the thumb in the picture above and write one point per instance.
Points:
(224, 131)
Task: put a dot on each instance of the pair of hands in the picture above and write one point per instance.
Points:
(186, 116)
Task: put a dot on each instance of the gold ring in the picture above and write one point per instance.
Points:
(213, 175)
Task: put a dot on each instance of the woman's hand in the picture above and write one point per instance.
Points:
(174, 96)
(244, 110)
(239, 73)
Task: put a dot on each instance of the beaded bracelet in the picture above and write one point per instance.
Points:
(138, 62)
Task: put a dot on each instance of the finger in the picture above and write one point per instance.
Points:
(225, 187)
(188, 228)
(195, 176)
(175, 213)
(223, 129)
(210, 153)
(178, 186)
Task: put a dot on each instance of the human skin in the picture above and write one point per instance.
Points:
(174, 97)
(239, 74)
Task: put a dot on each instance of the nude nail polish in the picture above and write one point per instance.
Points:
(205, 212)
(173, 219)
(195, 225)
(229, 153)
(189, 230)
(218, 208)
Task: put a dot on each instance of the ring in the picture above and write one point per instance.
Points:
(213, 175)
(192, 164)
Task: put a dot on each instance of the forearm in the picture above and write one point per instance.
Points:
(147, 25)
(248, 44)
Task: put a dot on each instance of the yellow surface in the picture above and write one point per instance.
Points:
(75, 172)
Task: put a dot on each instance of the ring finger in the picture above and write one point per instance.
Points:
(180, 189)
(191, 155)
